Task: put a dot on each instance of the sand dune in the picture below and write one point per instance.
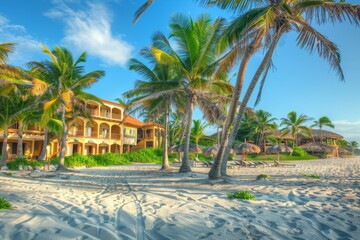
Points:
(139, 202)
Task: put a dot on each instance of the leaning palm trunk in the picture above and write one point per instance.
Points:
(43, 151)
(4, 148)
(215, 169)
(61, 166)
(264, 63)
(185, 161)
(165, 160)
(20, 149)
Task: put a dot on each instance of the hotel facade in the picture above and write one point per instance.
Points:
(110, 130)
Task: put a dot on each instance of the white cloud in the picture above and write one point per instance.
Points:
(90, 30)
(349, 129)
(27, 46)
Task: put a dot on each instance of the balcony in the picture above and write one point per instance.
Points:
(91, 134)
(116, 136)
(76, 133)
(104, 135)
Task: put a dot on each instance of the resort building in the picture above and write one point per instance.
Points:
(110, 130)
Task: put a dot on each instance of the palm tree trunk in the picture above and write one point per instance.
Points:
(264, 63)
(264, 143)
(4, 148)
(218, 137)
(43, 150)
(215, 169)
(20, 150)
(61, 166)
(165, 160)
(185, 161)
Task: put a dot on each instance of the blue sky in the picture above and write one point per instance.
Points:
(300, 82)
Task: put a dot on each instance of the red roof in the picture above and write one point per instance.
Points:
(133, 121)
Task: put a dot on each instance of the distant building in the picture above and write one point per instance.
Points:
(111, 130)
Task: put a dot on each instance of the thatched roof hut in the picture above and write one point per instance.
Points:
(316, 147)
(213, 150)
(180, 148)
(318, 134)
(277, 148)
(279, 134)
(246, 148)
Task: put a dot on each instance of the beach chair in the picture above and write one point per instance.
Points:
(230, 164)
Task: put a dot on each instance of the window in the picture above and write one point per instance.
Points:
(14, 148)
(124, 130)
(131, 132)
(88, 131)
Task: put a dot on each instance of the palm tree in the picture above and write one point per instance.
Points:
(7, 110)
(160, 78)
(197, 131)
(269, 20)
(353, 145)
(66, 83)
(322, 122)
(196, 49)
(263, 123)
(295, 125)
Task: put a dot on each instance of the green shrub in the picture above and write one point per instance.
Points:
(79, 160)
(298, 152)
(8, 174)
(311, 175)
(241, 195)
(4, 204)
(262, 176)
(14, 164)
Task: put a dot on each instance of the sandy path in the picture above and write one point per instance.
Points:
(139, 202)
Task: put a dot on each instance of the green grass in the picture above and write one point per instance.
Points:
(241, 195)
(262, 176)
(316, 176)
(283, 157)
(4, 204)
(8, 173)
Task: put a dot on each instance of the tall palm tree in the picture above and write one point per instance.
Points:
(295, 125)
(7, 110)
(197, 131)
(66, 83)
(269, 20)
(322, 122)
(197, 46)
(263, 123)
(160, 78)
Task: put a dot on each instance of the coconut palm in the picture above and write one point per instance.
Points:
(196, 49)
(7, 110)
(160, 78)
(197, 131)
(269, 20)
(322, 122)
(294, 125)
(263, 123)
(66, 83)
(353, 145)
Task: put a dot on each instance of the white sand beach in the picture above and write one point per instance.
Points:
(139, 202)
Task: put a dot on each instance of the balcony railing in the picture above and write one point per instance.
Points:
(77, 133)
(104, 135)
(115, 136)
(92, 134)
(116, 116)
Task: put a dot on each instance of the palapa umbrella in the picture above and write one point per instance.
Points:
(315, 147)
(180, 148)
(277, 149)
(213, 150)
(246, 148)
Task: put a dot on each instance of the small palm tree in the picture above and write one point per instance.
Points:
(263, 123)
(197, 131)
(295, 125)
(322, 122)
(353, 145)
(65, 93)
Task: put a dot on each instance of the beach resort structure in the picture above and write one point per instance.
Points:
(110, 130)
